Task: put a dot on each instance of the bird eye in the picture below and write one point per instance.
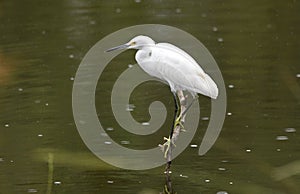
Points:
(132, 43)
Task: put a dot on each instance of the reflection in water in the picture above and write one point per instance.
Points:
(168, 189)
(50, 172)
(256, 44)
(6, 65)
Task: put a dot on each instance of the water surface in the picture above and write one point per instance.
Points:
(255, 43)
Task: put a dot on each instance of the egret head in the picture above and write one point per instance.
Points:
(137, 42)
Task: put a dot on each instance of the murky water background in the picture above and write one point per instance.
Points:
(255, 43)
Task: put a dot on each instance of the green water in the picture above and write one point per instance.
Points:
(42, 44)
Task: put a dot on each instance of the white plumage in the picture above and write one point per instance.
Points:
(171, 64)
(176, 67)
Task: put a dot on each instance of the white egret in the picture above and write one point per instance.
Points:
(174, 66)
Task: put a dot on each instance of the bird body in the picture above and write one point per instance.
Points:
(172, 65)
(176, 67)
(181, 72)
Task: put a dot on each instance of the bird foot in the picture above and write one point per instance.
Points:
(166, 146)
(180, 123)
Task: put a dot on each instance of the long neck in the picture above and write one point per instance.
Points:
(143, 54)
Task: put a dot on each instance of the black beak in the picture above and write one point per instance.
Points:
(121, 47)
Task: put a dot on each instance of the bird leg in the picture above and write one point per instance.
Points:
(177, 127)
(167, 146)
(176, 114)
(181, 117)
(169, 142)
(183, 110)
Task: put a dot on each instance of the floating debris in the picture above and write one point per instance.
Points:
(193, 145)
(205, 118)
(130, 107)
(109, 129)
(229, 113)
(137, 1)
(40, 135)
(130, 65)
(290, 130)
(282, 138)
(145, 123)
(72, 78)
(118, 10)
(222, 192)
(1, 160)
(57, 182)
(248, 150)
(71, 56)
(110, 182)
(82, 122)
(298, 75)
(6, 125)
(92, 22)
(32, 191)
(69, 47)
(231, 183)
(183, 176)
(46, 104)
(124, 142)
(108, 142)
(278, 149)
(20, 89)
(221, 169)
(220, 40)
(178, 10)
(207, 180)
(230, 86)
(37, 101)
(214, 29)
